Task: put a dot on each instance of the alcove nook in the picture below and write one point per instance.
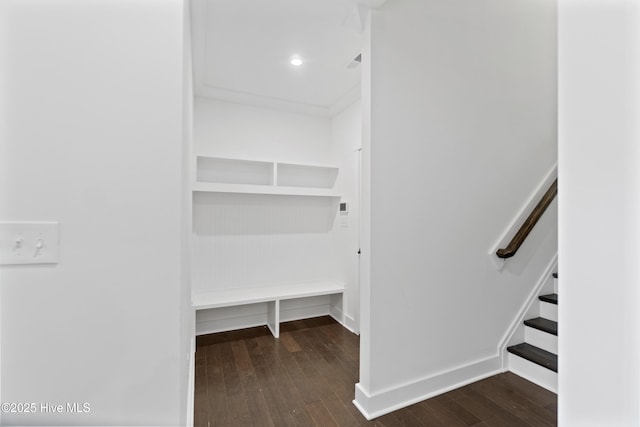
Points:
(275, 162)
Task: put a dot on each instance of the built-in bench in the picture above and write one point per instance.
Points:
(272, 296)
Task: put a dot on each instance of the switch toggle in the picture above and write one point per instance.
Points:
(39, 245)
(29, 243)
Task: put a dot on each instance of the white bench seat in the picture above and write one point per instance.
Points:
(271, 295)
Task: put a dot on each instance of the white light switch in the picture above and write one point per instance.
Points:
(29, 242)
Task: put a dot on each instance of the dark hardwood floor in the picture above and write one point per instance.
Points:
(307, 378)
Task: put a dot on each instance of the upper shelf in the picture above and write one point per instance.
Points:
(212, 187)
(308, 176)
(242, 176)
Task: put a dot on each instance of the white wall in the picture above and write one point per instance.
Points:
(92, 138)
(251, 240)
(346, 140)
(462, 129)
(599, 381)
(226, 129)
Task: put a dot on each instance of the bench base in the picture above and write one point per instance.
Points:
(244, 308)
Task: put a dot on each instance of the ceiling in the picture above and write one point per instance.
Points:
(242, 51)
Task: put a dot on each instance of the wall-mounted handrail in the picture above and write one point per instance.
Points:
(529, 223)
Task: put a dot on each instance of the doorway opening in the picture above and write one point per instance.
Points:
(276, 163)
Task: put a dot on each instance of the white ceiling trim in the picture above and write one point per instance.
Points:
(261, 101)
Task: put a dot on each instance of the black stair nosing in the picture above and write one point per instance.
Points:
(550, 298)
(543, 324)
(535, 355)
(555, 275)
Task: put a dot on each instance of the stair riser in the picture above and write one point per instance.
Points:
(549, 311)
(541, 339)
(535, 373)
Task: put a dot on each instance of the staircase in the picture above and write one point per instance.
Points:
(536, 359)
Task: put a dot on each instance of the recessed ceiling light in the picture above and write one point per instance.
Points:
(296, 61)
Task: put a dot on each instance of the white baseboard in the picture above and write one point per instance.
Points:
(351, 324)
(392, 399)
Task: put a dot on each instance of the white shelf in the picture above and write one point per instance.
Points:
(270, 295)
(209, 187)
(244, 176)
(227, 298)
(298, 175)
(218, 175)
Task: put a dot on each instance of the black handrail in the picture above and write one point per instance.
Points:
(530, 222)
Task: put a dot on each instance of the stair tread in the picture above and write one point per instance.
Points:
(543, 324)
(550, 298)
(536, 355)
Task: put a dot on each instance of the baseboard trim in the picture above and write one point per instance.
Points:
(380, 403)
(335, 311)
(350, 324)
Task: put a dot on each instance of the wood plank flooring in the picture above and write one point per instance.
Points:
(307, 378)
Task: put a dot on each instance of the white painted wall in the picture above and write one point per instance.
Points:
(462, 129)
(226, 129)
(91, 137)
(599, 381)
(346, 140)
(253, 240)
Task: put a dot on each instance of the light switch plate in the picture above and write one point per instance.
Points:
(29, 243)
